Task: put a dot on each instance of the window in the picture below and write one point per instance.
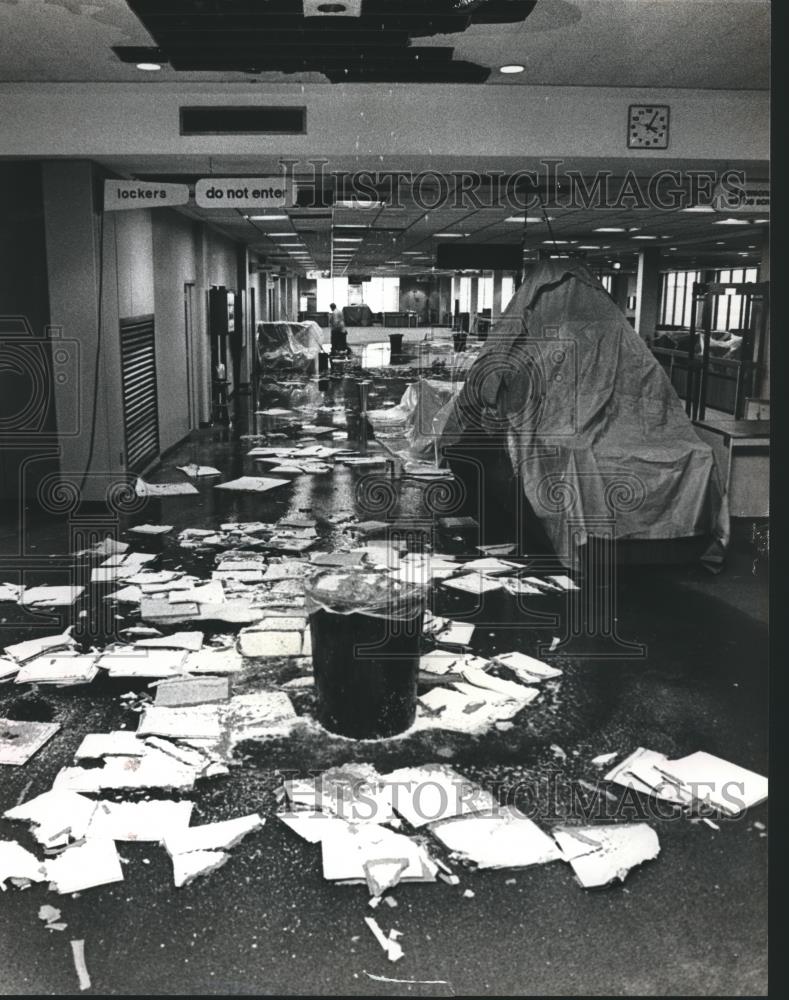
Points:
(676, 297)
(729, 309)
(606, 281)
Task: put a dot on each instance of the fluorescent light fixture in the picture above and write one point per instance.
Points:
(529, 218)
(643, 237)
(699, 208)
(290, 244)
(558, 243)
(348, 239)
(450, 236)
(633, 229)
(761, 222)
(280, 234)
(267, 218)
(731, 222)
(352, 225)
(414, 253)
(609, 229)
(357, 203)
(149, 67)
(512, 68)
(588, 246)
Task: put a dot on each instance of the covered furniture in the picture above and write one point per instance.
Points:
(568, 397)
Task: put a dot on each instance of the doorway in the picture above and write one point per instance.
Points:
(191, 388)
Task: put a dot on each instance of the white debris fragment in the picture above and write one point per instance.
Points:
(84, 866)
(78, 953)
(56, 816)
(605, 758)
(392, 948)
(190, 641)
(139, 821)
(527, 668)
(17, 863)
(601, 854)
(504, 840)
(120, 743)
(19, 740)
(211, 836)
(435, 792)
(187, 867)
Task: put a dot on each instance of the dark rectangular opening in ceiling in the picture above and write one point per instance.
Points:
(243, 121)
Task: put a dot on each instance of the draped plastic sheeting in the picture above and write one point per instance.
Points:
(292, 345)
(412, 428)
(588, 418)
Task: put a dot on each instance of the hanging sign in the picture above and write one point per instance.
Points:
(243, 192)
(751, 197)
(121, 195)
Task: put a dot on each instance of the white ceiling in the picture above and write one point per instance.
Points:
(704, 44)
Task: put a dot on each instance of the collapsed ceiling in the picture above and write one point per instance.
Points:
(356, 41)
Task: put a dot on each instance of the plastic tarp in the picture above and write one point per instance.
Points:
(412, 429)
(588, 419)
(292, 345)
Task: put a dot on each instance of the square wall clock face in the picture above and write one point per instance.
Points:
(647, 126)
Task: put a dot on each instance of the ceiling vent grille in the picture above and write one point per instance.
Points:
(243, 120)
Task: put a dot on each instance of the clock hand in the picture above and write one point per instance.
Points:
(652, 122)
(649, 128)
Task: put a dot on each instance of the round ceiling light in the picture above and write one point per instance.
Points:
(149, 67)
(512, 68)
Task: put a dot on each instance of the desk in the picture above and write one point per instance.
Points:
(743, 449)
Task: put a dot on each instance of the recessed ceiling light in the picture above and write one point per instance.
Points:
(633, 229)
(672, 248)
(512, 68)
(609, 229)
(616, 265)
(149, 67)
(731, 222)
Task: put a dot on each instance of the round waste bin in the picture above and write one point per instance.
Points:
(366, 630)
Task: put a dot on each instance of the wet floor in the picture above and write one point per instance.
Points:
(691, 922)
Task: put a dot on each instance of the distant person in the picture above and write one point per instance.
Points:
(339, 342)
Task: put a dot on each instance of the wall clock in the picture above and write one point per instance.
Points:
(647, 126)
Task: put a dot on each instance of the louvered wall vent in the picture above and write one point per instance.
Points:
(140, 398)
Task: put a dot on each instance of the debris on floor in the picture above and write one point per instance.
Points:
(51, 915)
(85, 866)
(182, 692)
(20, 740)
(600, 855)
(699, 778)
(152, 821)
(151, 529)
(144, 489)
(56, 817)
(78, 954)
(18, 865)
(504, 840)
(388, 942)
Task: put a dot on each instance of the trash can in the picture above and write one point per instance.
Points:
(459, 342)
(366, 630)
(396, 344)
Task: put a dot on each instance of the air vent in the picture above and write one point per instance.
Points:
(491, 256)
(242, 120)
